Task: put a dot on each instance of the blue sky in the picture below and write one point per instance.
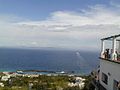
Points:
(70, 24)
(40, 9)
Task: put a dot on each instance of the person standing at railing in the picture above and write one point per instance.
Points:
(117, 55)
(111, 53)
(107, 52)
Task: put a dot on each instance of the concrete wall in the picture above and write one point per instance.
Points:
(112, 70)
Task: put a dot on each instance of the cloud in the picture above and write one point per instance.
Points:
(115, 3)
(68, 29)
(64, 19)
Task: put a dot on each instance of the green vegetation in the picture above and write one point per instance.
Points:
(13, 88)
(44, 82)
(88, 84)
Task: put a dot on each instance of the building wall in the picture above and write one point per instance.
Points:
(112, 70)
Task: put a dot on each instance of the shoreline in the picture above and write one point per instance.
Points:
(44, 72)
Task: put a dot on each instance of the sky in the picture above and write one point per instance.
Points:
(68, 24)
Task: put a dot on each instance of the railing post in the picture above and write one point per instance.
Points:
(114, 54)
(102, 48)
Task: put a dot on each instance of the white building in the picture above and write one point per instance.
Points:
(107, 77)
(1, 84)
(5, 78)
(78, 82)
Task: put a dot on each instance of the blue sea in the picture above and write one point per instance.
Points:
(81, 62)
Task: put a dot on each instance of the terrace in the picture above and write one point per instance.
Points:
(110, 48)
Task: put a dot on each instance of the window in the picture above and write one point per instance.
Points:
(116, 85)
(104, 78)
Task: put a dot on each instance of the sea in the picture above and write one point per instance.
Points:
(75, 61)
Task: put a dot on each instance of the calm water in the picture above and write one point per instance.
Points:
(55, 60)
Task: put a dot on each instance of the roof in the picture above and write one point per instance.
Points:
(111, 37)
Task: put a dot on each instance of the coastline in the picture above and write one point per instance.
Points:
(43, 72)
